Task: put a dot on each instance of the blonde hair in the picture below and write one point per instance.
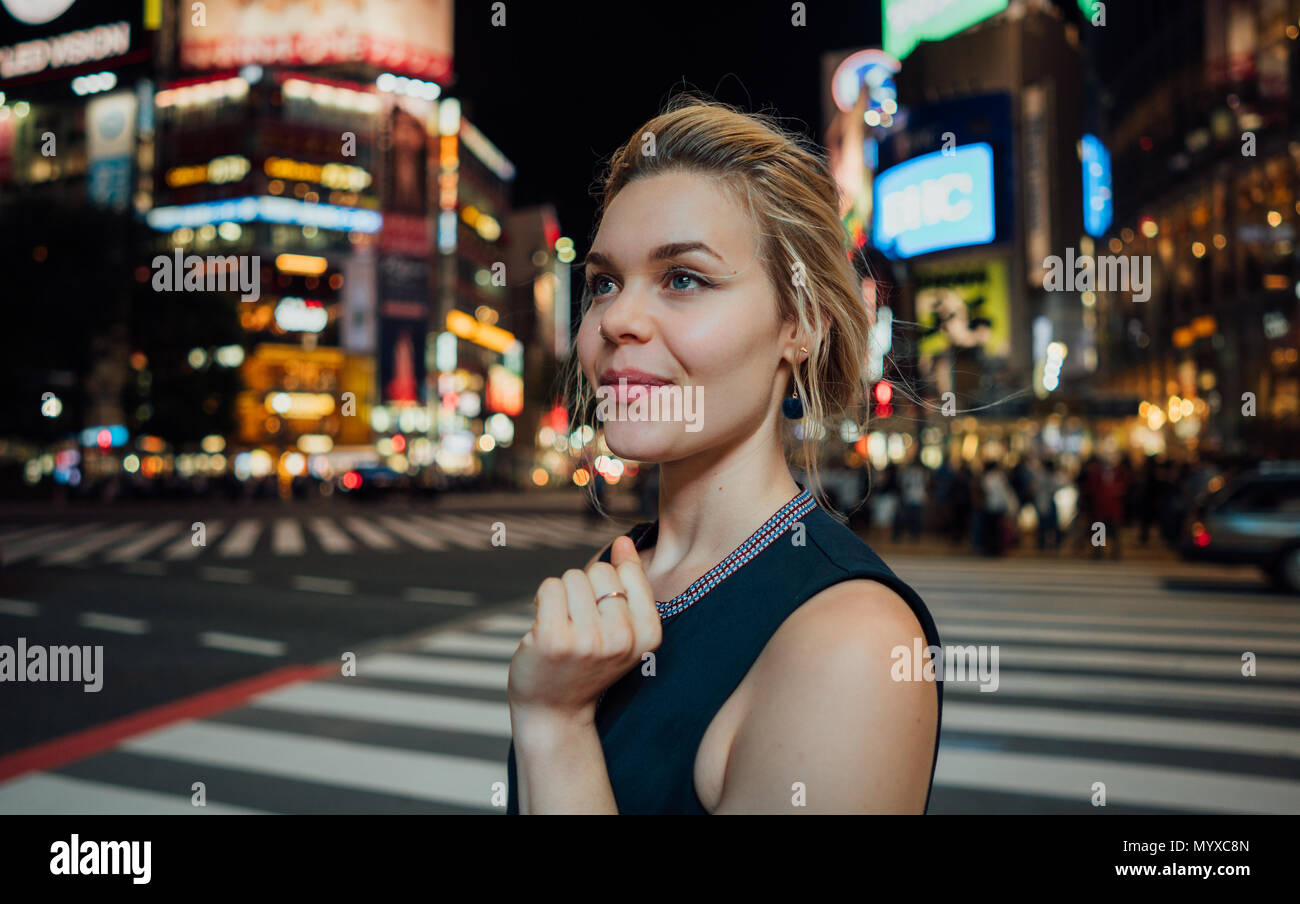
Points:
(794, 200)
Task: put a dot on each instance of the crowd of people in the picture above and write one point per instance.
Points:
(1046, 502)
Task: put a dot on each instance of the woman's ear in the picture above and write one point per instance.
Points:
(793, 348)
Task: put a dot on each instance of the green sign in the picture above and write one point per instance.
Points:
(908, 22)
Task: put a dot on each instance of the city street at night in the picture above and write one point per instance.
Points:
(434, 612)
(482, 408)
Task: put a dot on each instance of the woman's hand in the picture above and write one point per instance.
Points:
(576, 648)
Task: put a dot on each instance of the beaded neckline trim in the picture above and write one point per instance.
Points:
(774, 527)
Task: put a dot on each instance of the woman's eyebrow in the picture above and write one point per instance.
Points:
(663, 252)
(677, 249)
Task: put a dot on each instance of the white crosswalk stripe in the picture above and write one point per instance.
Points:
(129, 552)
(412, 534)
(241, 540)
(368, 534)
(187, 548)
(295, 536)
(30, 547)
(92, 543)
(286, 538)
(331, 537)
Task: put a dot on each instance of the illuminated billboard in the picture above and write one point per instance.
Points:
(1098, 206)
(939, 200)
(48, 39)
(908, 22)
(410, 37)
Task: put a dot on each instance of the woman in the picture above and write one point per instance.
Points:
(777, 675)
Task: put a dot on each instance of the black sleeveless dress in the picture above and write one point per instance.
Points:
(650, 728)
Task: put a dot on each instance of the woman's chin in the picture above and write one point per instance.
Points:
(648, 442)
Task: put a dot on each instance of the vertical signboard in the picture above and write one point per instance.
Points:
(1038, 204)
(110, 145)
(403, 325)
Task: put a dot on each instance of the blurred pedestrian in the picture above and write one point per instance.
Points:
(1107, 486)
(999, 503)
(912, 498)
(1046, 482)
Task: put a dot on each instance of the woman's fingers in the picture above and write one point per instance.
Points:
(641, 607)
(616, 635)
(552, 624)
(582, 610)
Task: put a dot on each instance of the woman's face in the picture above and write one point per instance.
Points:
(689, 318)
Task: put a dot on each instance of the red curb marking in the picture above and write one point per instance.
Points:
(79, 745)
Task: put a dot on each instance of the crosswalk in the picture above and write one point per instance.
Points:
(1110, 683)
(287, 537)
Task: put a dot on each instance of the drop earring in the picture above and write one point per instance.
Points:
(793, 406)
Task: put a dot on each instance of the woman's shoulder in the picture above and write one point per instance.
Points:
(851, 572)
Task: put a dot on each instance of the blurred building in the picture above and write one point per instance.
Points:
(1198, 104)
(973, 116)
(316, 138)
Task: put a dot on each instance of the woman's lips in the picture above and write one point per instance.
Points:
(629, 385)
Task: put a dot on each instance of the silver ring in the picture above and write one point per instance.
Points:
(611, 595)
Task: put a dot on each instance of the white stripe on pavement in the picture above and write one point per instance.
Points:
(59, 795)
(435, 670)
(129, 552)
(184, 547)
(434, 595)
(1221, 623)
(18, 607)
(219, 640)
(1076, 686)
(505, 621)
(34, 546)
(1127, 784)
(331, 536)
(370, 704)
(345, 764)
(454, 531)
(286, 538)
(368, 534)
(90, 545)
(412, 533)
(1231, 643)
(117, 623)
(311, 584)
(16, 533)
(1089, 659)
(241, 540)
(1121, 728)
(452, 643)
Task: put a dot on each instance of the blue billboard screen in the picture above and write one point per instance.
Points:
(939, 200)
(1098, 206)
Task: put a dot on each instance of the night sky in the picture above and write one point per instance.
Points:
(563, 84)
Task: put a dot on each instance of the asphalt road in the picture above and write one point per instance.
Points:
(1122, 675)
(274, 585)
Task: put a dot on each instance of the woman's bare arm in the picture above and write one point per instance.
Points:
(829, 730)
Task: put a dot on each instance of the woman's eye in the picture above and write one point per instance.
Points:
(596, 282)
(692, 281)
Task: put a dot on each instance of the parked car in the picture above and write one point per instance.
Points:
(370, 482)
(1254, 519)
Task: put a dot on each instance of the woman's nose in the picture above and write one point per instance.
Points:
(626, 318)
